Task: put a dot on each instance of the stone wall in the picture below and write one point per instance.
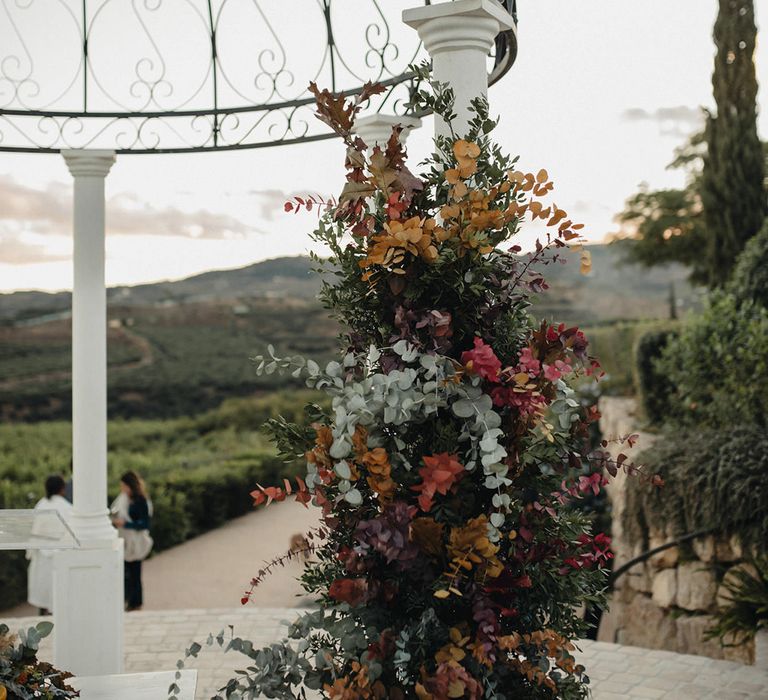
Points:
(667, 601)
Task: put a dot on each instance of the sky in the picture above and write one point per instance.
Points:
(601, 94)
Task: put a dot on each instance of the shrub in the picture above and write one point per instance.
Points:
(714, 479)
(719, 365)
(653, 386)
(211, 496)
(746, 607)
(749, 281)
(243, 414)
(171, 521)
(613, 344)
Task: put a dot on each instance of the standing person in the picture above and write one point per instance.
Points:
(132, 511)
(40, 574)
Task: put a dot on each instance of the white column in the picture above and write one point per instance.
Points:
(459, 36)
(376, 129)
(89, 347)
(88, 582)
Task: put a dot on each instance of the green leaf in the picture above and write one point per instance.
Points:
(353, 497)
(44, 628)
(463, 408)
(497, 519)
(343, 470)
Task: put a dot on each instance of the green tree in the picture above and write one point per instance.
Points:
(666, 226)
(732, 186)
(706, 224)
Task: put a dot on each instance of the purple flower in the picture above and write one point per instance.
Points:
(389, 534)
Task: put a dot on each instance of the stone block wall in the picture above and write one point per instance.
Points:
(667, 601)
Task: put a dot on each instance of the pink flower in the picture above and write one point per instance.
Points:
(553, 372)
(526, 402)
(553, 333)
(593, 482)
(349, 590)
(528, 363)
(482, 361)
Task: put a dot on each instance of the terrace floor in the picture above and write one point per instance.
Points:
(155, 640)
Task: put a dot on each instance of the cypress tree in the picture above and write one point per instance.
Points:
(732, 185)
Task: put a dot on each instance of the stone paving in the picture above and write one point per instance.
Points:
(154, 641)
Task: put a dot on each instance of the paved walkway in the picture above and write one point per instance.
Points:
(155, 640)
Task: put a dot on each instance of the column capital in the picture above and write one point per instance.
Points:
(88, 161)
(459, 36)
(375, 129)
(459, 24)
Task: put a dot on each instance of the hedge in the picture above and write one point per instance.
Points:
(718, 366)
(654, 389)
(749, 281)
(613, 345)
(714, 479)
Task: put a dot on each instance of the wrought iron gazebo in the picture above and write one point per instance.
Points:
(171, 76)
(92, 79)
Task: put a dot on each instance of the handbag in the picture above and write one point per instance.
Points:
(138, 544)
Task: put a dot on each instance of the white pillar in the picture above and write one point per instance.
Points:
(88, 582)
(89, 347)
(376, 129)
(459, 36)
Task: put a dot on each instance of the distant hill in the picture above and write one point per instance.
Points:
(180, 347)
(268, 279)
(612, 290)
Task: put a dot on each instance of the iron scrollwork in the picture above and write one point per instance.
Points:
(165, 76)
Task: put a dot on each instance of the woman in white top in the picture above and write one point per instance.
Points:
(40, 574)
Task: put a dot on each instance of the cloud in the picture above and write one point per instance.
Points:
(49, 211)
(680, 120)
(127, 215)
(272, 202)
(16, 251)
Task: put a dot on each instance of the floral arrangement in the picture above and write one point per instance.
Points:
(449, 563)
(22, 676)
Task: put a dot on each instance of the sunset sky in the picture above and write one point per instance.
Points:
(601, 94)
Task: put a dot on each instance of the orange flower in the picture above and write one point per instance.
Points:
(439, 474)
(360, 441)
(319, 455)
(356, 686)
(376, 461)
(469, 547)
(466, 152)
(414, 236)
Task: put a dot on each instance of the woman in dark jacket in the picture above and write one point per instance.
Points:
(133, 514)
